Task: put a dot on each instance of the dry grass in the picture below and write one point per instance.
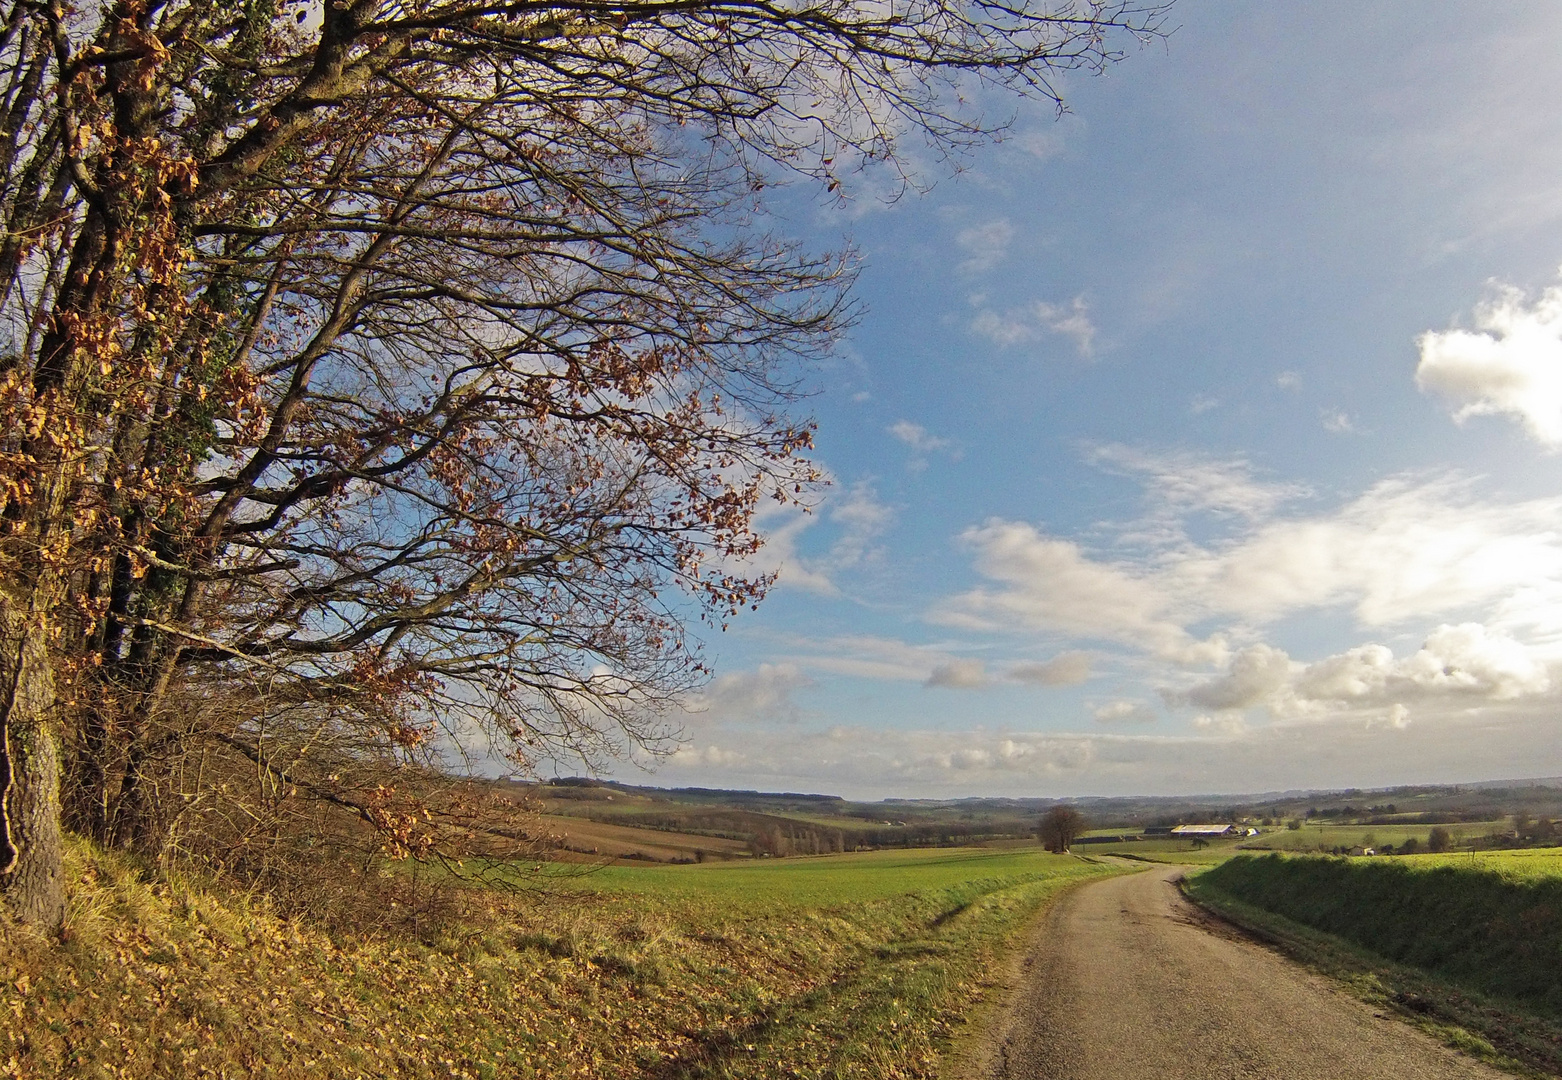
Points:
(164, 979)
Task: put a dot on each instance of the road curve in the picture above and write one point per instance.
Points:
(1126, 980)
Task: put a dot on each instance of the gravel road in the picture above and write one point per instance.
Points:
(1125, 980)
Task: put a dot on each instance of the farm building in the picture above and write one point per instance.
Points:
(1207, 832)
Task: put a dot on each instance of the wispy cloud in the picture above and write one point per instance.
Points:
(1065, 669)
(1123, 711)
(855, 517)
(1337, 421)
(986, 245)
(922, 443)
(1034, 321)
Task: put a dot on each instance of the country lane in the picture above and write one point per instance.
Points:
(1126, 980)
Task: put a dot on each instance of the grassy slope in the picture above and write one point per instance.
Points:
(1465, 946)
(848, 966)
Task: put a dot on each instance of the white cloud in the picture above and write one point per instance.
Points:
(764, 694)
(1218, 752)
(922, 443)
(711, 755)
(1288, 380)
(868, 657)
(857, 517)
(1256, 674)
(1036, 320)
(1202, 403)
(1051, 584)
(1220, 724)
(1065, 669)
(917, 437)
(1336, 421)
(1179, 481)
(986, 245)
(1465, 660)
(1410, 549)
(1123, 711)
(1465, 663)
(959, 674)
(1511, 364)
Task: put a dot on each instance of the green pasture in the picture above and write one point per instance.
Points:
(828, 881)
(1167, 851)
(1518, 865)
(1327, 837)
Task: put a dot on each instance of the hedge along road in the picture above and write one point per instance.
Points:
(1125, 980)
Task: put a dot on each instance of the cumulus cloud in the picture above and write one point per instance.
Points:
(1458, 663)
(1409, 548)
(962, 674)
(1065, 669)
(1288, 380)
(1034, 321)
(1509, 365)
(1256, 674)
(986, 245)
(1466, 660)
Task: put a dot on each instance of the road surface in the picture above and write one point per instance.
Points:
(1126, 980)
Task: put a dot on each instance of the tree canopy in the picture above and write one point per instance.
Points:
(382, 375)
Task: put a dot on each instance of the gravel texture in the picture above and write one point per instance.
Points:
(1126, 980)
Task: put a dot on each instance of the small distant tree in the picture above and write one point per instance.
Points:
(1523, 829)
(1410, 846)
(1294, 824)
(1060, 827)
(1439, 840)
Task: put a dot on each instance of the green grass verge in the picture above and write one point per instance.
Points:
(849, 966)
(1433, 945)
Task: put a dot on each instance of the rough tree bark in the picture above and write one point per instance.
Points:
(30, 839)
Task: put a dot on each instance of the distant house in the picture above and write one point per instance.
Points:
(1206, 832)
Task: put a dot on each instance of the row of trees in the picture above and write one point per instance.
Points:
(386, 378)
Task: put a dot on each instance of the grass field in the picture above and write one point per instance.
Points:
(825, 967)
(1167, 851)
(1329, 837)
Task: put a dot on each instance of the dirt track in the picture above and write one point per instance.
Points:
(1124, 980)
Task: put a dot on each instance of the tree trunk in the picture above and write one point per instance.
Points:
(30, 840)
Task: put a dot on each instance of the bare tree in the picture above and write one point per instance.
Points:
(413, 360)
(1060, 827)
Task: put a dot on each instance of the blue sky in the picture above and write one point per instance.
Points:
(1202, 440)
